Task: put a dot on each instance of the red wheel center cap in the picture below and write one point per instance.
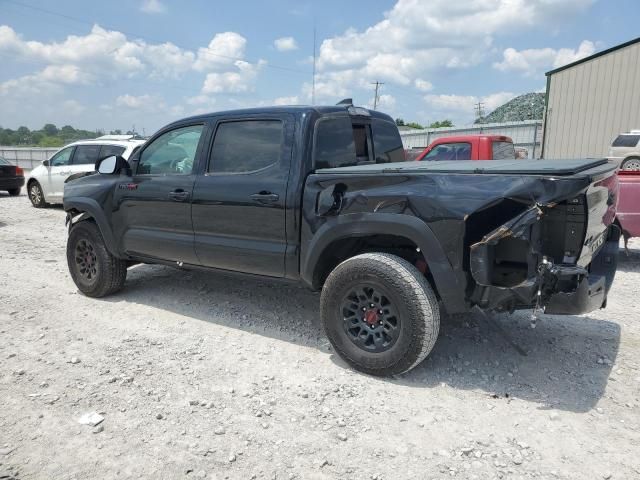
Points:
(371, 317)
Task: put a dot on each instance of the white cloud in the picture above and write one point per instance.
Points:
(132, 101)
(293, 100)
(153, 6)
(423, 85)
(285, 44)
(460, 108)
(223, 50)
(386, 103)
(104, 54)
(534, 60)
(417, 37)
(73, 107)
(239, 81)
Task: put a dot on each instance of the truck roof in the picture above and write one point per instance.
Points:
(294, 109)
(466, 138)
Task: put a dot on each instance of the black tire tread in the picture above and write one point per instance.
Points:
(43, 202)
(412, 286)
(113, 271)
(14, 192)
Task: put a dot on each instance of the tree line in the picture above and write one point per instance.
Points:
(440, 124)
(49, 136)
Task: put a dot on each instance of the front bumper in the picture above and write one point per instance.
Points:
(11, 183)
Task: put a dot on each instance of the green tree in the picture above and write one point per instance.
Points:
(68, 131)
(50, 129)
(441, 124)
(399, 122)
(414, 125)
(24, 135)
(49, 141)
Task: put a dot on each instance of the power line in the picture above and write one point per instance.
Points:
(479, 109)
(376, 97)
(150, 39)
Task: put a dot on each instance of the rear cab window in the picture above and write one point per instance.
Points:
(344, 140)
(450, 151)
(626, 141)
(503, 150)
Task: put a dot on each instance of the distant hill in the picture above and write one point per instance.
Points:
(529, 106)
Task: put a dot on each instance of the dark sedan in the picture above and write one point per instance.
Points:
(11, 177)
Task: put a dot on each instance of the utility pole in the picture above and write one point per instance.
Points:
(313, 81)
(479, 108)
(376, 98)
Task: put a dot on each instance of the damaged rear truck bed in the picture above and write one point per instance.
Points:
(311, 194)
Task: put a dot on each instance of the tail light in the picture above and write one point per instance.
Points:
(19, 172)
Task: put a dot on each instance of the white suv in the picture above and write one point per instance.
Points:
(625, 149)
(45, 183)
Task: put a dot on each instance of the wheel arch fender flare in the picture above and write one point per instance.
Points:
(89, 209)
(448, 285)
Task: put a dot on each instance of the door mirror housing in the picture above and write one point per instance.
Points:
(45, 163)
(113, 164)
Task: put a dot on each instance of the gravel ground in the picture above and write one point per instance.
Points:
(199, 375)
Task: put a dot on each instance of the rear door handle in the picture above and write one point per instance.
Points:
(178, 195)
(265, 197)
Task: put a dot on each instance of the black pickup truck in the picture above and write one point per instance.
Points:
(314, 194)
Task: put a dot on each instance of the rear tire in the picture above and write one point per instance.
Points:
(93, 269)
(630, 164)
(14, 192)
(36, 195)
(380, 314)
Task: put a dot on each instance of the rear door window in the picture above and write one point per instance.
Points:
(246, 146)
(387, 144)
(450, 151)
(110, 150)
(626, 141)
(334, 145)
(503, 151)
(86, 154)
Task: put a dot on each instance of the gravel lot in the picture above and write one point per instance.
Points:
(200, 375)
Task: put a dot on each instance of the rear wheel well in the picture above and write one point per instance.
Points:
(342, 249)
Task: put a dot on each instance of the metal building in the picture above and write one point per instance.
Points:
(591, 101)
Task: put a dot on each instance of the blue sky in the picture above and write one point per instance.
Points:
(147, 62)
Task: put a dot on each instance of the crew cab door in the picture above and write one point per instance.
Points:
(153, 214)
(239, 202)
(58, 170)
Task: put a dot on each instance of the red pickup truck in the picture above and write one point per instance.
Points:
(628, 213)
(470, 147)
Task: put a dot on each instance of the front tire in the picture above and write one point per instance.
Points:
(380, 314)
(14, 192)
(36, 195)
(93, 269)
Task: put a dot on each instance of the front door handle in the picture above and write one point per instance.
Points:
(265, 197)
(178, 195)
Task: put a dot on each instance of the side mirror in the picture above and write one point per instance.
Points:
(111, 165)
(45, 163)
